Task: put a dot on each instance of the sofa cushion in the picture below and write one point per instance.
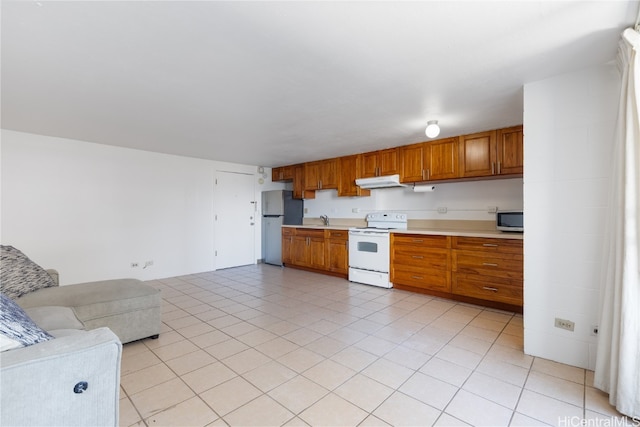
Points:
(50, 318)
(97, 299)
(19, 275)
(16, 328)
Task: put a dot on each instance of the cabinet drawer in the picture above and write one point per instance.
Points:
(413, 240)
(418, 258)
(435, 280)
(488, 264)
(339, 234)
(286, 231)
(487, 245)
(310, 232)
(488, 288)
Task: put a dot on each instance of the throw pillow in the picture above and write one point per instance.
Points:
(19, 275)
(16, 328)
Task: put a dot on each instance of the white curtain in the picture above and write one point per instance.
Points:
(618, 358)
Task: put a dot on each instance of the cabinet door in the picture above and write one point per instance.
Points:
(286, 248)
(510, 151)
(412, 163)
(299, 191)
(316, 255)
(349, 168)
(369, 163)
(299, 251)
(389, 161)
(442, 159)
(312, 175)
(338, 259)
(329, 174)
(277, 174)
(478, 154)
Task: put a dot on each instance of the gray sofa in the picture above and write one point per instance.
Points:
(70, 374)
(129, 307)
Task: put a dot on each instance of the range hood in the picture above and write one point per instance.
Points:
(380, 182)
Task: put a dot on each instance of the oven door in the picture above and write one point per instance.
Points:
(369, 250)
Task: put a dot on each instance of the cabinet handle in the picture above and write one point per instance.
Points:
(423, 174)
(338, 234)
(493, 168)
(489, 264)
(428, 173)
(499, 169)
(490, 245)
(419, 278)
(417, 240)
(417, 257)
(489, 288)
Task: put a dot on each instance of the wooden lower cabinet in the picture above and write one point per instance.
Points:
(421, 261)
(338, 251)
(307, 248)
(486, 271)
(316, 249)
(489, 269)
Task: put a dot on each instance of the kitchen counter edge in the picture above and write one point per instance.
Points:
(492, 234)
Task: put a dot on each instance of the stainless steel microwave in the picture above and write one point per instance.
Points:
(510, 221)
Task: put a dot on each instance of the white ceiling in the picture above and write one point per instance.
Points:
(274, 83)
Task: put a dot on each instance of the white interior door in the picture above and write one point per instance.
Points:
(235, 219)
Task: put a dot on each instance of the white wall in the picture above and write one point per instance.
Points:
(569, 124)
(463, 200)
(89, 210)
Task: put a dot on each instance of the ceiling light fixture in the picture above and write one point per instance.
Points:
(433, 129)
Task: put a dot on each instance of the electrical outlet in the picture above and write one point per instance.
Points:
(442, 209)
(355, 210)
(306, 210)
(594, 330)
(148, 263)
(134, 265)
(492, 209)
(565, 324)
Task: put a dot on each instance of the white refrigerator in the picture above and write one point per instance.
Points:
(278, 208)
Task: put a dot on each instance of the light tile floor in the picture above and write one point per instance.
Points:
(271, 346)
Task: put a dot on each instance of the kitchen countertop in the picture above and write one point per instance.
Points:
(493, 234)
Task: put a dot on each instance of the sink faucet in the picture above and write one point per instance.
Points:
(325, 219)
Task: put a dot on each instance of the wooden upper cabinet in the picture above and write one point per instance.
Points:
(380, 163)
(321, 175)
(299, 191)
(349, 167)
(478, 154)
(429, 161)
(510, 151)
(492, 153)
(412, 167)
(282, 173)
(441, 157)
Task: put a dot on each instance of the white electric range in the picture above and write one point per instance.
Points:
(369, 248)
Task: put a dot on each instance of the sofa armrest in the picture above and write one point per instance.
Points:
(39, 382)
(54, 275)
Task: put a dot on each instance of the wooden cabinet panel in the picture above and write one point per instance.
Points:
(442, 159)
(510, 151)
(430, 161)
(338, 255)
(491, 269)
(421, 261)
(509, 266)
(478, 154)
(380, 163)
(287, 239)
(421, 241)
(412, 167)
(282, 173)
(488, 288)
(299, 191)
(321, 175)
(487, 245)
(349, 168)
